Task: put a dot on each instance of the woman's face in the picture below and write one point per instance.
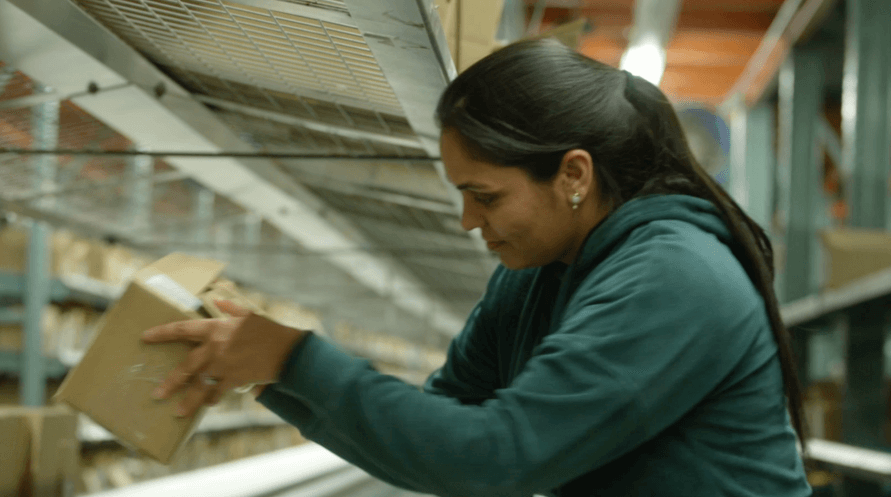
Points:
(529, 224)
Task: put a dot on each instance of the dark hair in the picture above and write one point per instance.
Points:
(528, 104)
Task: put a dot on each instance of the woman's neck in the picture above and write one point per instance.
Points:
(589, 220)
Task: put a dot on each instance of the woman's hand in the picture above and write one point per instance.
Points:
(232, 352)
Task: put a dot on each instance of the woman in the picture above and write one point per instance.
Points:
(629, 345)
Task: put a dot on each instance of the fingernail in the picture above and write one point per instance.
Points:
(180, 412)
(158, 394)
(148, 334)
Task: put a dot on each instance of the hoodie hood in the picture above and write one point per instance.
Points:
(640, 211)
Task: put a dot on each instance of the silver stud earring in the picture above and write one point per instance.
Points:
(576, 199)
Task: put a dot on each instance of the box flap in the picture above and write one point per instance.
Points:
(225, 290)
(191, 273)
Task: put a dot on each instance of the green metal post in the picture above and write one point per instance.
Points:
(866, 163)
(866, 129)
(140, 186)
(761, 163)
(37, 278)
(799, 176)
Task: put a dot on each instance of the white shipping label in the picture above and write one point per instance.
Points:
(172, 290)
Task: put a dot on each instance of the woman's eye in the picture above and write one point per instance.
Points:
(485, 199)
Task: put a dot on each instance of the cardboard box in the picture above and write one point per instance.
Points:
(12, 338)
(42, 448)
(70, 254)
(15, 448)
(854, 253)
(823, 410)
(569, 34)
(13, 248)
(113, 382)
(112, 264)
(478, 27)
(55, 454)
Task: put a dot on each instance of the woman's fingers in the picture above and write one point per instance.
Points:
(181, 331)
(217, 394)
(195, 397)
(184, 372)
(231, 309)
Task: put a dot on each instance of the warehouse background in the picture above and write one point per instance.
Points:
(294, 140)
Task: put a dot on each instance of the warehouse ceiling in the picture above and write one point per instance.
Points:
(717, 47)
(372, 233)
(377, 242)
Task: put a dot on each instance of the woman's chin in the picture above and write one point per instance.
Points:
(514, 263)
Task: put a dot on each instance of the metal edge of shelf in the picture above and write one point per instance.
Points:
(11, 315)
(264, 474)
(814, 307)
(83, 287)
(11, 362)
(856, 461)
(80, 288)
(89, 431)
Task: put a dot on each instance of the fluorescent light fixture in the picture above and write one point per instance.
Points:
(645, 59)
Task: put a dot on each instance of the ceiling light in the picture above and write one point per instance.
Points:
(645, 59)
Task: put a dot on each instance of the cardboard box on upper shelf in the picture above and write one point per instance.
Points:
(111, 263)
(479, 20)
(12, 336)
(13, 248)
(823, 409)
(114, 380)
(854, 253)
(70, 254)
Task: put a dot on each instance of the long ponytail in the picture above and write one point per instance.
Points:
(756, 254)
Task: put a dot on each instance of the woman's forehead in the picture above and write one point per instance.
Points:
(468, 173)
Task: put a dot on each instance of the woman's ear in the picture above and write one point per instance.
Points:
(577, 173)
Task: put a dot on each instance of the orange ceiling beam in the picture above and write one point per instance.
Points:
(705, 84)
(724, 21)
(704, 48)
(687, 19)
(771, 6)
(712, 43)
(707, 5)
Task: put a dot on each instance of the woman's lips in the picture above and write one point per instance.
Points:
(494, 245)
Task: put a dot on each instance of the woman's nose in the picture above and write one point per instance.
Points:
(470, 217)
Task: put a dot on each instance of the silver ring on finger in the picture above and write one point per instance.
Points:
(210, 380)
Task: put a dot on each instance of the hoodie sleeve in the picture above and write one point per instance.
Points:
(320, 430)
(470, 373)
(640, 345)
(468, 376)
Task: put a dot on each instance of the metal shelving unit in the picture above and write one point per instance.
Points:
(875, 288)
(307, 471)
(11, 362)
(80, 289)
(91, 433)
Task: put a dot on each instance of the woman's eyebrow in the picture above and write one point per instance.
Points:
(471, 186)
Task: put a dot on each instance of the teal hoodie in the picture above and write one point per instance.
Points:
(645, 368)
